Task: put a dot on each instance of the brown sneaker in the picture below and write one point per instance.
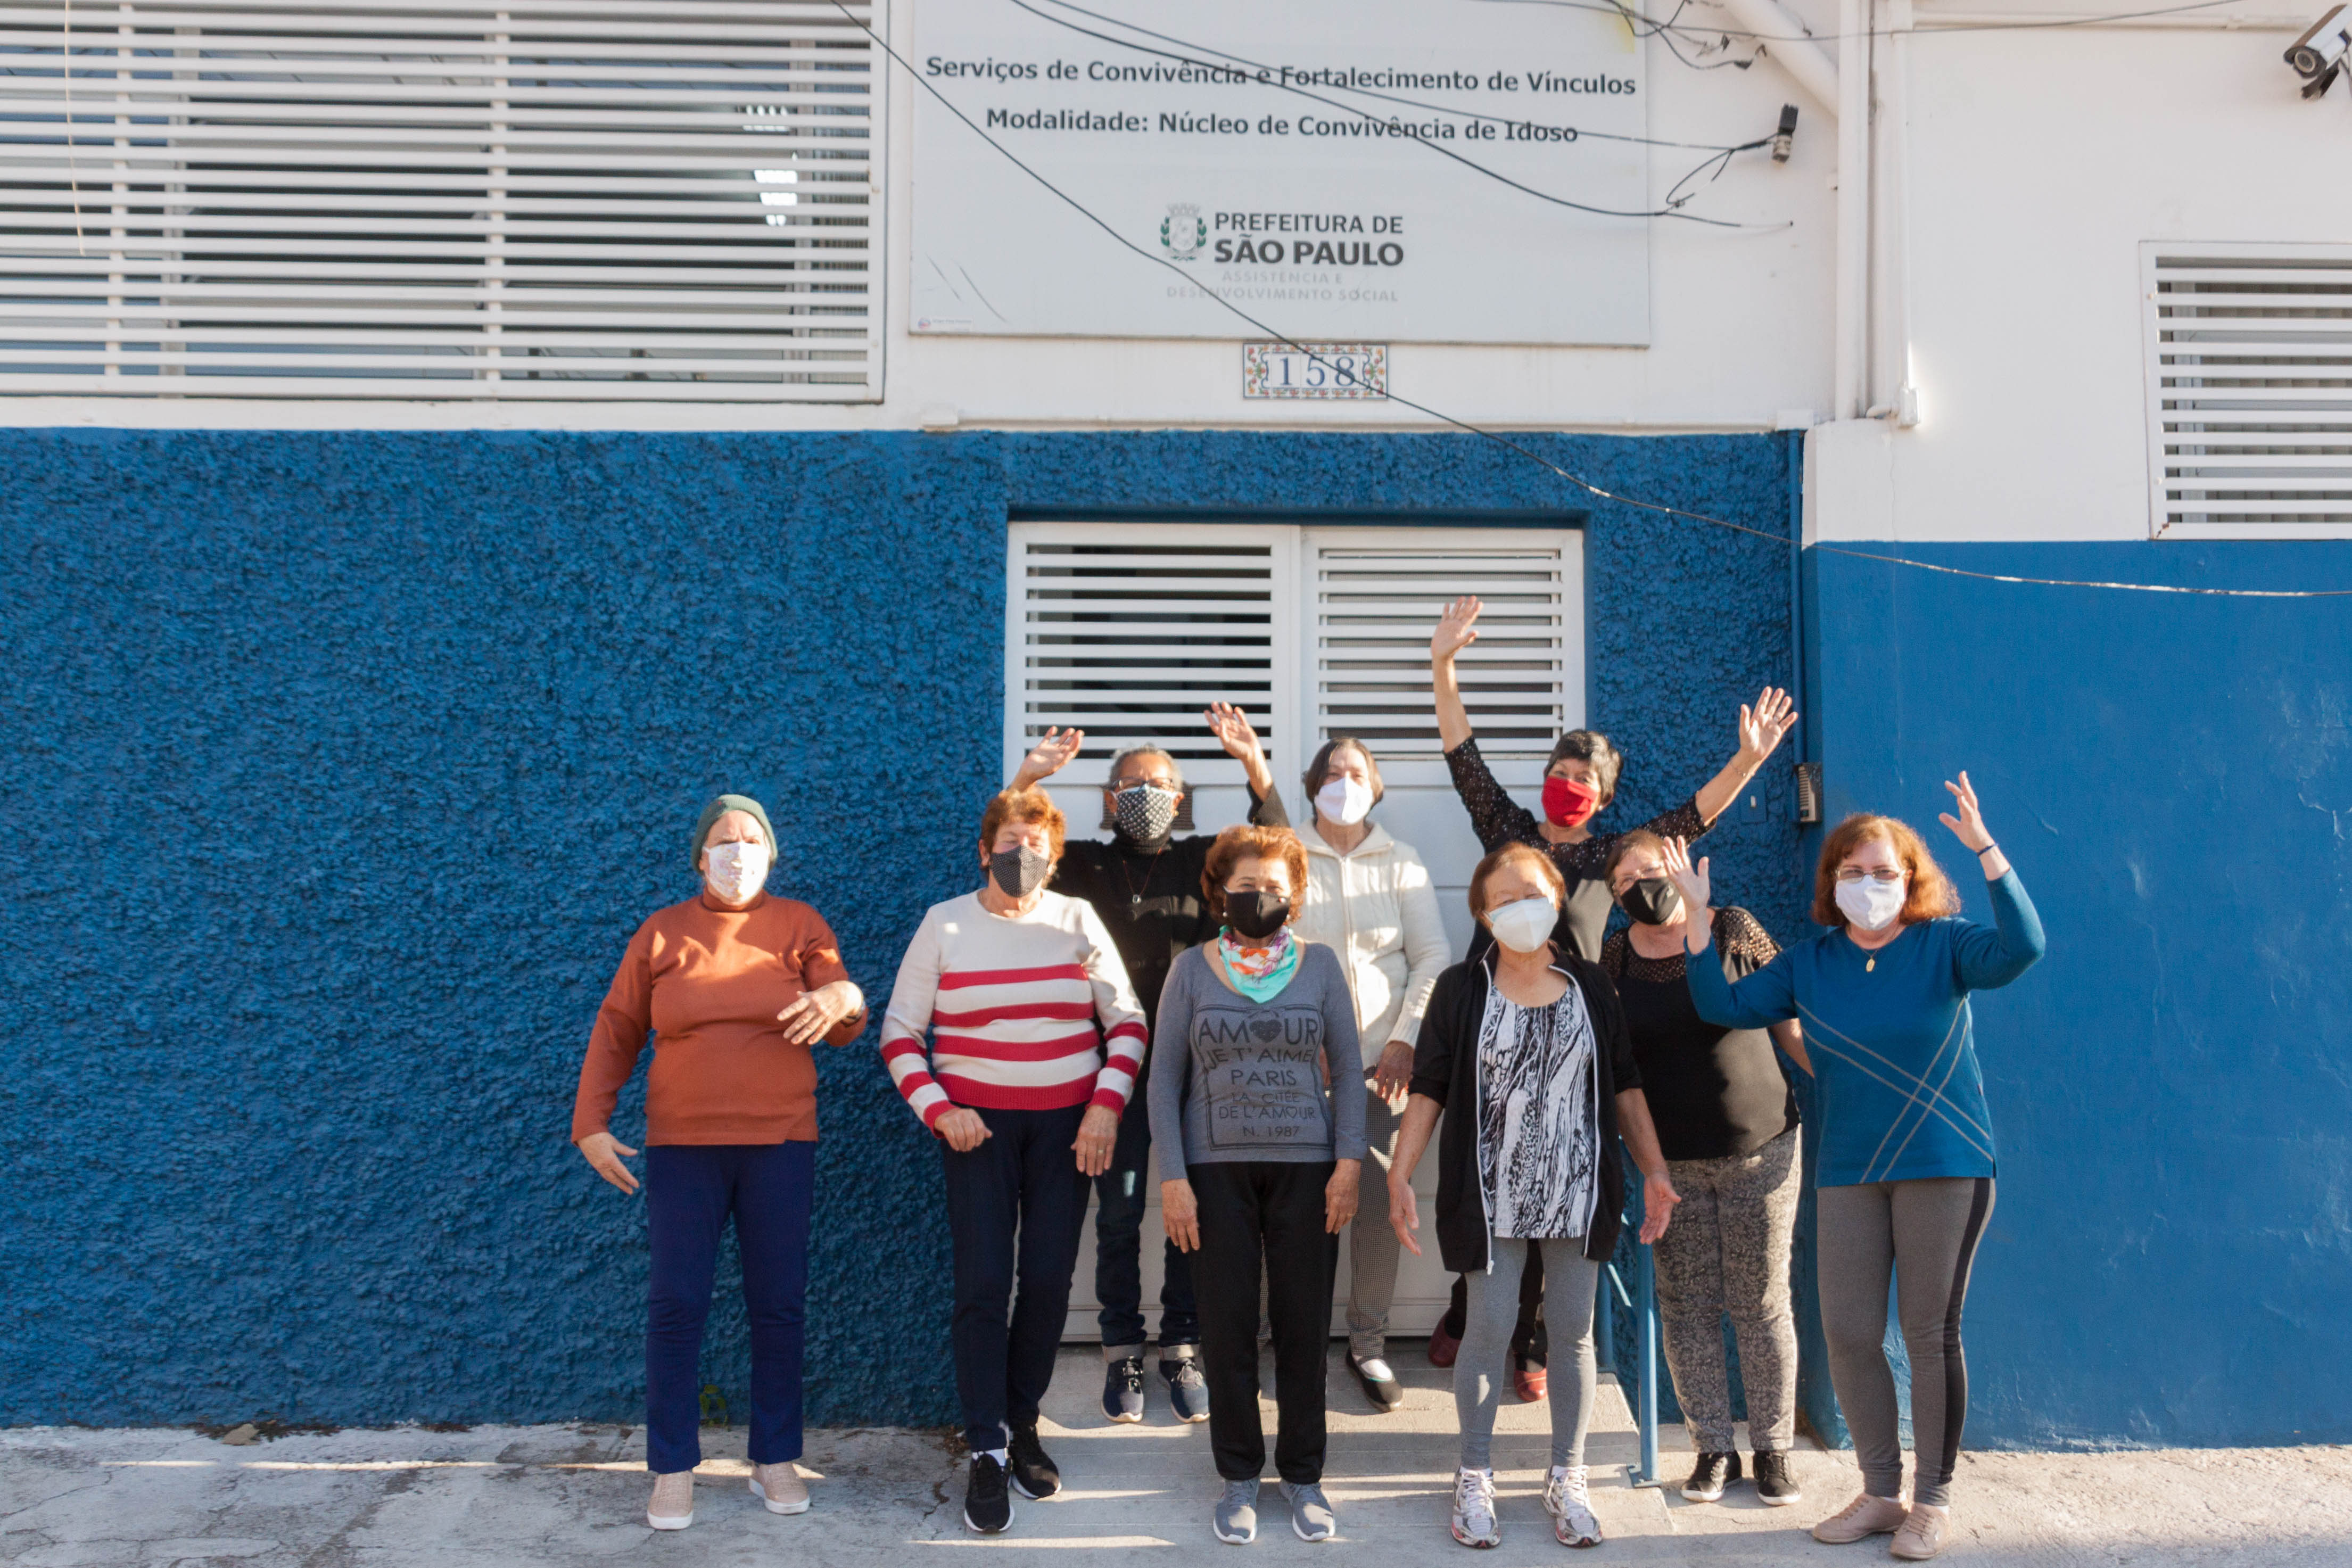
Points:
(1865, 1516)
(780, 1487)
(1923, 1532)
(672, 1504)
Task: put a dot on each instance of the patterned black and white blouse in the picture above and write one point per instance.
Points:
(1539, 1115)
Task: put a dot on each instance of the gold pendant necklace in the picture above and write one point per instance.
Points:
(1870, 963)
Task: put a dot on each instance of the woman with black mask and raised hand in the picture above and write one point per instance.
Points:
(1727, 1121)
(1145, 884)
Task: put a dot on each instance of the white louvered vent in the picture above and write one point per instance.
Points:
(1375, 599)
(1128, 631)
(2250, 390)
(655, 199)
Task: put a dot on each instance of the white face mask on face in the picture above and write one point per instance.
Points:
(1345, 801)
(1871, 903)
(735, 871)
(1523, 925)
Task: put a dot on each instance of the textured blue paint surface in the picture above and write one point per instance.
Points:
(342, 765)
(2172, 776)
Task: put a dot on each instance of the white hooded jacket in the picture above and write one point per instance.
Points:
(1375, 908)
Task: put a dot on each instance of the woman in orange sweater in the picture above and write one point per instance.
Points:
(736, 987)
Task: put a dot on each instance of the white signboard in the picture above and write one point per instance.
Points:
(1390, 170)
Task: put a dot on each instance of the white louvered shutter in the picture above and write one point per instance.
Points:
(2250, 390)
(652, 200)
(1129, 630)
(1376, 594)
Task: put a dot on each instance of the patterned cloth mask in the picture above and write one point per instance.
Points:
(735, 871)
(1145, 812)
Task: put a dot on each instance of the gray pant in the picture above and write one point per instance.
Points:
(1371, 1243)
(1482, 1369)
(1925, 1233)
(1727, 1252)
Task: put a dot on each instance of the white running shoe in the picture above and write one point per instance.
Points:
(1473, 1508)
(1570, 1509)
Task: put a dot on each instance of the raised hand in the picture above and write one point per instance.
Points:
(1969, 826)
(1233, 729)
(1456, 628)
(1763, 727)
(1697, 887)
(1049, 756)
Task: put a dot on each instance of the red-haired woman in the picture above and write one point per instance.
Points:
(1905, 1143)
(1259, 1123)
(1037, 1038)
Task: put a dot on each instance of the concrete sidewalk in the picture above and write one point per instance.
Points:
(560, 1495)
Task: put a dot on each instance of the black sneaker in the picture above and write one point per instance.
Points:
(1187, 1391)
(1123, 1389)
(1378, 1381)
(1710, 1475)
(987, 1507)
(1774, 1484)
(1034, 1475)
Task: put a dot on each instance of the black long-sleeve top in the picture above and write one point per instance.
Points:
(1497, 820)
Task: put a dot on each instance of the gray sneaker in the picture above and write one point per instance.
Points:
(1236, 1515)
(1310, 1512)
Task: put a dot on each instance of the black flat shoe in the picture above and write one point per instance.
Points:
(1774, 1484)
(1710, 1475)
(1378, 1381)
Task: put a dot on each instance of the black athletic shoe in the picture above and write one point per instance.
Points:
(1187, 1391)
(1034, 1475)
(1123, 1389)
(987, 1507)
(1710, 1475)
(1774, 1484)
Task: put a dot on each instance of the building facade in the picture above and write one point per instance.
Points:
(444, 451)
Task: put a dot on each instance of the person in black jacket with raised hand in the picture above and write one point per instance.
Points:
(1525, 1053)
(1145, 884)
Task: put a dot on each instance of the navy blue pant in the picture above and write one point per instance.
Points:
(1016, 1206)
(690, 1189)
(1121, 1194)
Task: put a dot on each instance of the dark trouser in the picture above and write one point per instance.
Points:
(1121, 1194)
(1926, 1233)
(1015, 1202)
(1264, 1220)
(690, 1189)
(1529, 1342)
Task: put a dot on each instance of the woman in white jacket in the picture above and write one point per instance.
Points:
(1368, 898)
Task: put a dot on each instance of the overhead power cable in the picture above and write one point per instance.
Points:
(1691, 31)
(1465, 426)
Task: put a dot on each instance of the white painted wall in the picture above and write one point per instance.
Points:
(2037, 164)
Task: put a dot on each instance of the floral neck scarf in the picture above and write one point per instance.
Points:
(1260, 972)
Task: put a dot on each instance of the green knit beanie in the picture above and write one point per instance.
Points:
(719, 808)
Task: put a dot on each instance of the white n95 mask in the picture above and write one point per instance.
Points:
(735, 871)
(1523, 925)
(1345, 801)
(1871, 903)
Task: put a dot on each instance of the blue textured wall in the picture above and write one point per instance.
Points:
(2171, 1253)
(342, 765)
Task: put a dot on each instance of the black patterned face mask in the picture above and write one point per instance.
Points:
(1145, 812)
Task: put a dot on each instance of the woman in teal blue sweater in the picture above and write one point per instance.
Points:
(1904, 1142)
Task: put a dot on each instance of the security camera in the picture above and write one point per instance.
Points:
(2318, 56)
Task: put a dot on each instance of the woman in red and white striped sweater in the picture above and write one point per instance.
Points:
(1037, 1038)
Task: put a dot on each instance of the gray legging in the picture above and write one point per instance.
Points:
(1483, 1368)
(1925, 1233)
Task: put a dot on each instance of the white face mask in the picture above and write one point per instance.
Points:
(1523, 925)
(1871, 903)
(735, 871)
(1345, 801)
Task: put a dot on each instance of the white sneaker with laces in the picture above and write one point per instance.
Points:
(1570, 1509)
(1473, 1508)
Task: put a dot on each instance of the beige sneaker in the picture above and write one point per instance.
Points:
(780, 1487)
(1923, 1532)
(1865, 1516)
(672, 1504)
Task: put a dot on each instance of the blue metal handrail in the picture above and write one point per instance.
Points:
(1643, 1302)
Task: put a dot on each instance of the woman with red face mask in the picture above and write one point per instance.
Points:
(1579, 783)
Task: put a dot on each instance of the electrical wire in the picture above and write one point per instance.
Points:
(1582, 483)
(1604, 8)
(1671, 211)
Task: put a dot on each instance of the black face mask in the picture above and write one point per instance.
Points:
(1654, 901)
(1018, 873)
(1256, 915)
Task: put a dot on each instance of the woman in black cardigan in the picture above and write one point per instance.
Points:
(1528, 1047)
